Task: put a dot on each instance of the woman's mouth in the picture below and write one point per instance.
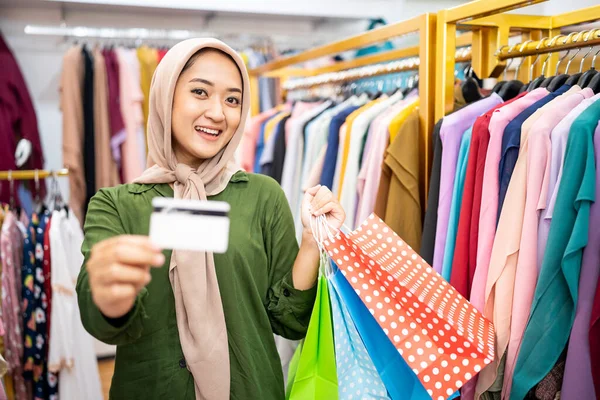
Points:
(208, 133)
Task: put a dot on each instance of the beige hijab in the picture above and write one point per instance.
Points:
(200, 317)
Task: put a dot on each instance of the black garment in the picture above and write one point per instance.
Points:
(430, 224)
(279, 152)
(89, 156)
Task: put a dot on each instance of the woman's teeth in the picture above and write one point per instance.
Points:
(213, 132)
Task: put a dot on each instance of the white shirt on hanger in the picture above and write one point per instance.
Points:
(71, 348)
(348, 195)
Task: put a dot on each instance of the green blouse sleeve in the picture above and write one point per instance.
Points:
(103, 222)
(289, 309)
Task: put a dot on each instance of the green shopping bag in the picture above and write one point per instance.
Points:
(293, 368)
(316, 375)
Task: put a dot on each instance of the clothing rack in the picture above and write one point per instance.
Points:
(423, 25)
(409, 64)
(24, 175)
(491, 28)
(574, 40)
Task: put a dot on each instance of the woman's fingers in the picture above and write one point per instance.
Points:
(134, 253)
(322, 197)
(119, 273)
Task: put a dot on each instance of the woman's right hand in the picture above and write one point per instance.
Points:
(118, 268)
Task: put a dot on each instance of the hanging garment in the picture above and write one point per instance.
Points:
(107, 173)
(131, 98)
(559, 139)
(47, 291)
(557, 289)
(451, 133)
(465, 253)
(370, 172)
(489, 194)
(248, 144)
(71, 347)
(148, 60)
(594, 339)
(506, 248)
(459, 184)
(398, 202)
(260, 142)
(89, 141)
(333, 142)
(266, 159)
(346, 141)
(117, 125)
(319, 131)
(360, 128)
(11, 251)
(279, 151)
(537, 173)
(578, 381)
(34, 307)
(17, 121)
(511, 140)
(71, 99)
(431, 215)
(292, 167)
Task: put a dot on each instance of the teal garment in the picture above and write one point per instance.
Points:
(555, 299)
(457, 194)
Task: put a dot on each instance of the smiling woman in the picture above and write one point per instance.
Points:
(207, 106)
(200, 326)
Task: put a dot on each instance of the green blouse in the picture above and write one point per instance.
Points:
(255, 281)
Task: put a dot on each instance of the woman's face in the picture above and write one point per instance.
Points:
(207, 107)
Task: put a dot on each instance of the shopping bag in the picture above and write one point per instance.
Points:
(400, 381)
(316, 377)
(357, 376)
(442, 337)
(293, 368)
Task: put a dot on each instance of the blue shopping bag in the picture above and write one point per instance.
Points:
(399, 380)
(357, 376)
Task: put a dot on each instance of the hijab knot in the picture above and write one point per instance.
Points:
(183, 173)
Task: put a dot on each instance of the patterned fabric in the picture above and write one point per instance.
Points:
(47, 268)
(35, 305)
(357, 376)
(11, 251)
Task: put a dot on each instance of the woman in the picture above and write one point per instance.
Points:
(199, 326)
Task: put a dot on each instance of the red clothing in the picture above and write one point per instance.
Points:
(161, 54)
(17, 121)
(465, 253)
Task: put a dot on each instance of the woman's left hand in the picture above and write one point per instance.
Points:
(319, 200)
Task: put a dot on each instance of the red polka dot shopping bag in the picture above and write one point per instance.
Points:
(440, 335)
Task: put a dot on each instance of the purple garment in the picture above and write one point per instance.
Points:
(578, 382)
(451, 133)
(559, 137)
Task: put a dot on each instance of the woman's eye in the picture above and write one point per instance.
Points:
(199, 92)
(233, 100)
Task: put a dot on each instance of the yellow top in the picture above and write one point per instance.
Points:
(273, 122)
(399, 119)
(349, 122)
(148, 58)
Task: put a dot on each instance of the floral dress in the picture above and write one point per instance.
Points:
(35, 304)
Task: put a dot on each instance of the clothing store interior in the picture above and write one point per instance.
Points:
(466, 266)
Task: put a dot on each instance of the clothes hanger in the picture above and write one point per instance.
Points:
(470, 88)
(524, 88)
(535, 83)
(512, 88)
(587, 76)
(560, 80)
(498, 86)
(573, 79)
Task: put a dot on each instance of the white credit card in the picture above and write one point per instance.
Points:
(195, 225)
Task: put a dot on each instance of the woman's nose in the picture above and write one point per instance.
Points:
(215, 111)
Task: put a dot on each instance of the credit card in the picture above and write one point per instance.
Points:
(194, 225)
